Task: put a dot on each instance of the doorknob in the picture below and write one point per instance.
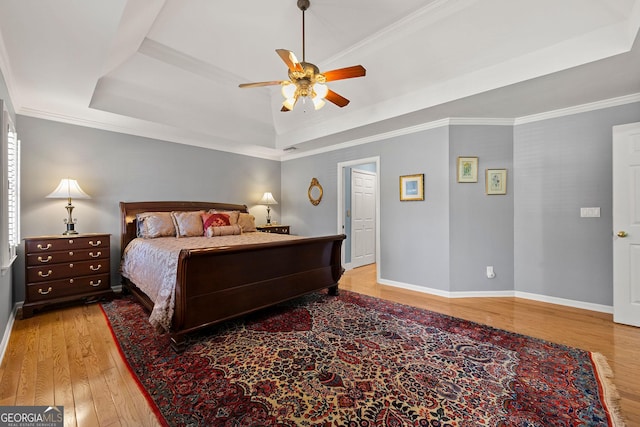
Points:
(622, 234)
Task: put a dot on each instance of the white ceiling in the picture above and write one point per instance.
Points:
(170, 69)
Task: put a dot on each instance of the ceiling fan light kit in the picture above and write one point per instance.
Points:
(306, 80)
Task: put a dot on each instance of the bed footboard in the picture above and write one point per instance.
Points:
(217, 284)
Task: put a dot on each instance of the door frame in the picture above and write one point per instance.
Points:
(341, 203)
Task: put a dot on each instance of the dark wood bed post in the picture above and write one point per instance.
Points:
(220, 283)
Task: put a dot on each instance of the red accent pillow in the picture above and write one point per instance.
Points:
(215, 220)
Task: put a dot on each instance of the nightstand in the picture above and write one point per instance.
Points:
(62, 269)
(279, 229)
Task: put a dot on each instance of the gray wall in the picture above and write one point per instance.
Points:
(113, 167)
(6, 297)
(414, 235)
(561, 165)
(481, 226)
(533, 236)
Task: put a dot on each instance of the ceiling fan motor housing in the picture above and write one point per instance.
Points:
(305, 79)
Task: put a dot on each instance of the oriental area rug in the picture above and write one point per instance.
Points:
(355, 360)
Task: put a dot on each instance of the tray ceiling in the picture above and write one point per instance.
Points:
(170, 69)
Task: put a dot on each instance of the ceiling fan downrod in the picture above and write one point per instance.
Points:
(303, 5)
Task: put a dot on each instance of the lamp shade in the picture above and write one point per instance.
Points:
(68, 189)
(267, 199)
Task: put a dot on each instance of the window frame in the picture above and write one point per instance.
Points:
(10, 191)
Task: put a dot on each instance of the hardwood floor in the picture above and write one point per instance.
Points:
(68, 357)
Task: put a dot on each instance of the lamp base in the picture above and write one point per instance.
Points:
(70, 229)
(71, 223)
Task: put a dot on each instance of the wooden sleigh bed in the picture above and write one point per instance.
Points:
(219, 283)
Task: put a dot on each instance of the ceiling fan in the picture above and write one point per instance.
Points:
(306, 80)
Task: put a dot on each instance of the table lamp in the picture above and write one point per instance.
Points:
(267, 199)
(68, 189)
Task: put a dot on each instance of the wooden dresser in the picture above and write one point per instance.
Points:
(61, 269)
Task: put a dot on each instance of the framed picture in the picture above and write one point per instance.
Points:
(412, 187)
(467, 169)
(496, 181)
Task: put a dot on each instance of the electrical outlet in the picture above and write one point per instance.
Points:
(490, 273)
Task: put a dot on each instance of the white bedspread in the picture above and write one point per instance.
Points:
(151, 264)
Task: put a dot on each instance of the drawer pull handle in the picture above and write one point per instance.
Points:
(70, 253)
(98, 283)
(47, 274)
(42, 248)
(71, 241)
(95, 268)
(71, 281)
(41, 292)
(96, 255)
(45, 260)
(71, 265)
(97, 243)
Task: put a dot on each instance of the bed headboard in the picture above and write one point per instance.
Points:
(129, 210)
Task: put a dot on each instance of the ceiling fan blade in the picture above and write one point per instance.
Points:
(290, 59)
(259, 84)
(345, 73)
(339, 100)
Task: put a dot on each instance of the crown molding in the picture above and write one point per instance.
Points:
(272, 154)
(474, 121)
(368, 139)
(230, 147)
(577, 109)
(480, 121)
(434, 11)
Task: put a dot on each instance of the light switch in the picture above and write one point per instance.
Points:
(590, 212)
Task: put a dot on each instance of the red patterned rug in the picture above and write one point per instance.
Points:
(354, 360)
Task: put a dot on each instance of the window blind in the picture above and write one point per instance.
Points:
(13, 183)
(10, 215)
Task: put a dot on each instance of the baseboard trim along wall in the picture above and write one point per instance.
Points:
(7, 332)
(501, 294)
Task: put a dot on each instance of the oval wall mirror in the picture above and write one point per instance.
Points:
(315, 192)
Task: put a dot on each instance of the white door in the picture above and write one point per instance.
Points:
(363, 218)
(626, 224)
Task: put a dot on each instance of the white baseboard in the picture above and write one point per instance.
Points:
(566, 302)
(493, 294)
(7, 332)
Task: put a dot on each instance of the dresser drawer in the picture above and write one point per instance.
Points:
(43, 273)
(62, 244)
(67, 287)
(49, 258)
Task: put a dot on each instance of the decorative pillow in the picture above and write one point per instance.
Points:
(155, 224)
(233, 215)
(188, 224)
(212, 219)
(224, 230)
(247, 222)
